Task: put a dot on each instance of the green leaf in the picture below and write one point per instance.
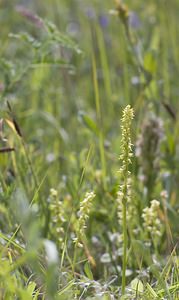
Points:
(150, 63)
(89, 123)
(151, 291)
(27, 38)
(31, 287)
(66, 288)
(61, 38)
(88, 271)
(137, 286)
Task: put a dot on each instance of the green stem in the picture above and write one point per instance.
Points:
(124, 262)
(124, 222)
(99, 118)
(29, 163)
(74, 260)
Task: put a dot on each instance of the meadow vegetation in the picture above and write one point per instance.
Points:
(89, 150)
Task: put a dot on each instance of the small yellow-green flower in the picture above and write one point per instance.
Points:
(152, 222)
(85, 207)
(57, 216)
(124, 193)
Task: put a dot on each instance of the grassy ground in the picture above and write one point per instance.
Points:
(68, 70)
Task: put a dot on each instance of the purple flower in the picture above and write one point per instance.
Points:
(90, 12)
(103, 21)
(134, 20)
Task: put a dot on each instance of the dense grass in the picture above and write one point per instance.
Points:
(68, 70)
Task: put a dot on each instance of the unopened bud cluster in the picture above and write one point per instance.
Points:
(151, 220)
(122, 10)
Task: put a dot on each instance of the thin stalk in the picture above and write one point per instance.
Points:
(74, 259)
(124, 260)
(99, 117)
(29, 162)
(105, 67)
(124, 227)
